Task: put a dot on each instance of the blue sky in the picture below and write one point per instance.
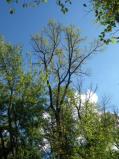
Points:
(104, 66)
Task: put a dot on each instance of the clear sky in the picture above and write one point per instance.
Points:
(104, 66)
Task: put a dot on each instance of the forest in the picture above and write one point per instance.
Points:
(45, 112)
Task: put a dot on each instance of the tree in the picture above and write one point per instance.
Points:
(95, 132)
(20, 106)
(9, 76)
(60, 59)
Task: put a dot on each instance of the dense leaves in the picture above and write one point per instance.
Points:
(20, 108)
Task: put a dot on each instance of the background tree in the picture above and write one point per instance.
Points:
(20, 106)
(95, 134)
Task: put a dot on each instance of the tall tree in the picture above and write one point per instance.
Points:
(60, 59)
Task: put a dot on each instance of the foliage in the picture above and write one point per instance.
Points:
(19, 105)
(63, 5)
(107, 13)
(40, 114)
